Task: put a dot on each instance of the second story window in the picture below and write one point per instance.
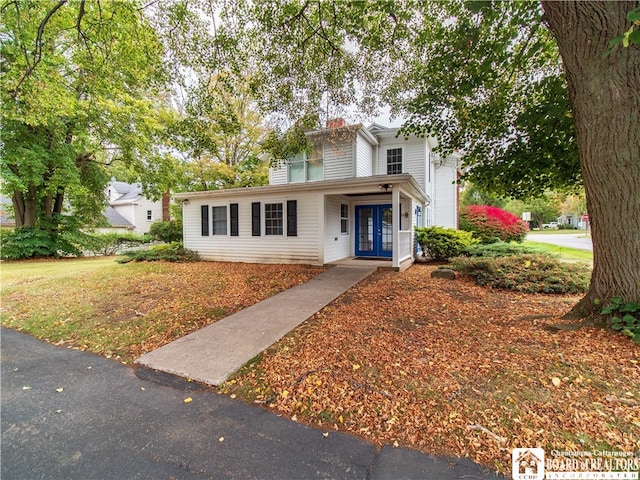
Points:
(315, 169)
(306, 168)
(296, 169)
(394, 161)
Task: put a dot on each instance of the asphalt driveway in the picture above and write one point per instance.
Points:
(73, 415)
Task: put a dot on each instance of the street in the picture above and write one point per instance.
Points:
(68, 414)
(580, 240)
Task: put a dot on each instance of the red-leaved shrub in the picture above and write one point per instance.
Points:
(492, 224)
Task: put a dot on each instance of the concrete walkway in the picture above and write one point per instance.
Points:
(213, 353)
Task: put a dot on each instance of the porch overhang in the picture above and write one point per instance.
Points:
(348, 186)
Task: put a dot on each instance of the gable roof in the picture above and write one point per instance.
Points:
(129, 193)
(115, 219)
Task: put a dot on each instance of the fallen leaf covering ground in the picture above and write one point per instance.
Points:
(403, 359)
(452, 368)
(124, 311)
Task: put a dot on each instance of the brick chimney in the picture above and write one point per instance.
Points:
(166, 212)
(336, 123)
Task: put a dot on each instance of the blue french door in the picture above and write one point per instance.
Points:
(374, 232)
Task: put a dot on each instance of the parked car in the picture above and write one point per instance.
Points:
(553, 225)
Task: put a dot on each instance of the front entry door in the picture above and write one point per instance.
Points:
(374, 233)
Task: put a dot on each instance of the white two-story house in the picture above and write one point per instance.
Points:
(359, 194)
(129, 210)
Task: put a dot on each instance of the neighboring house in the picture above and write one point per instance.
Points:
(359, 194)
(129, 210)
(6, 217)
(573, 220)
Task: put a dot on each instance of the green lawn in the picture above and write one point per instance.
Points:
(122, 311)
(565, 253)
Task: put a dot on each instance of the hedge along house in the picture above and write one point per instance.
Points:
(359, 194)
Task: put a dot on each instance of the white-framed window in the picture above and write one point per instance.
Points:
(344, 218)
(306, 168)
(315, 169)
(149, 215)
(273, 219)
(219, 220)
(394, 161)
(296, 169)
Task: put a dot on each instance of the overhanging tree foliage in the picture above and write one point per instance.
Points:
(524, 89)
(82, 87)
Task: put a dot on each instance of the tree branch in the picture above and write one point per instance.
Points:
(296, 16)
(37, 51)
(81, 35)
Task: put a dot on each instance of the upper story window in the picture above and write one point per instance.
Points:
(394, 161)
(306, 168)
(296, 169)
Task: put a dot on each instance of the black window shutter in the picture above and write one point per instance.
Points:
(292, 218)
(204, 218)
(233, 213)
(255, 219)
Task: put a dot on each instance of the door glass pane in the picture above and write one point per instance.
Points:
(387, 231)
(365, 230)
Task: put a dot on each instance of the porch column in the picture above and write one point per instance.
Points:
(395, 224)
(321, 200)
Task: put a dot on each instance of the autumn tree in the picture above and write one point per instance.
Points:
(82, 87)
(220, 132)
(526, 90)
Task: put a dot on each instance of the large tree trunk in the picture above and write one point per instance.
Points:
(25, 207)
(605, 95)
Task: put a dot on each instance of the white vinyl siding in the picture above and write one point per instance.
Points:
(138, 213)
(278, 175)
(336, 244)
(445, 208)
(416, 160)
(303, 248)
(364, 157)
(338, 159)
(414, 157)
